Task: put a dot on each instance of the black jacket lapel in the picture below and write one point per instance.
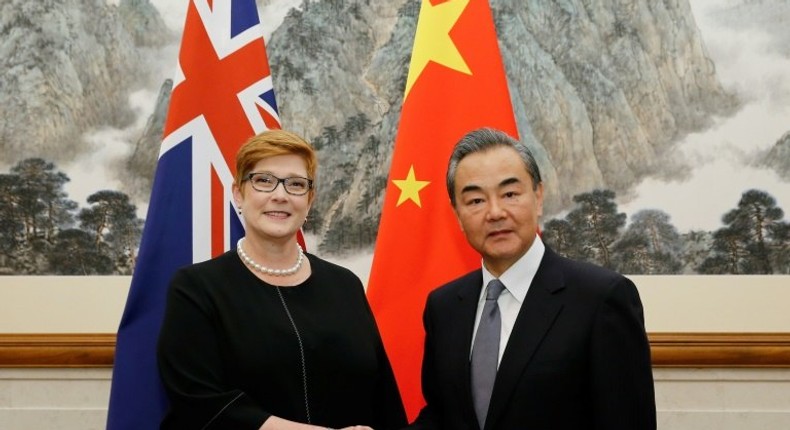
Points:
(468, 296)
(536, 316)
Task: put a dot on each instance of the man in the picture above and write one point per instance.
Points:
(567, 343)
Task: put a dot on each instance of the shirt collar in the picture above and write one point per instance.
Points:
(518, 277)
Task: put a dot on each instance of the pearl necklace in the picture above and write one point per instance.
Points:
(266, 270)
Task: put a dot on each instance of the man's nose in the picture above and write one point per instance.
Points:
(495, 210)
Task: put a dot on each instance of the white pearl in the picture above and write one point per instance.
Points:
(268, 271)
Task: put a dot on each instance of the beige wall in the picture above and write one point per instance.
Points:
(672, 303)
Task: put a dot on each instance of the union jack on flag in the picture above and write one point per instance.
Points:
(222, 95)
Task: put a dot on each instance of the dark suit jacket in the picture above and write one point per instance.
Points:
(578, 356)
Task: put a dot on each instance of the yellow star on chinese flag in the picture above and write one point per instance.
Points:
(410, 188)
(432, 40)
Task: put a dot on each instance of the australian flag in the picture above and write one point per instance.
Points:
(222, 95)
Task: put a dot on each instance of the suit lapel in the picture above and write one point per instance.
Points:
(537, 314)
(468, 295)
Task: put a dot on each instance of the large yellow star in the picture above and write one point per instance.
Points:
(432, 40)
(410, 188)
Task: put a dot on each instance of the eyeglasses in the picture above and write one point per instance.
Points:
(266, 182)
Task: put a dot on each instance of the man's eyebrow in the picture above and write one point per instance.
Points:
(509, 181)
(503, 183)
(470, 188)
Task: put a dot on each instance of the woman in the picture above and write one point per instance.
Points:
(266, 336)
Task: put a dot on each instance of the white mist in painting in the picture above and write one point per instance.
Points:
(173, 13)
(749, 63)
(100, 167)
(358, 262)
(271, 13)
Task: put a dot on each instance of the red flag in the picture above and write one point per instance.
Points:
(456, 83)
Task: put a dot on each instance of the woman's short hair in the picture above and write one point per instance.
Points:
(271, 143)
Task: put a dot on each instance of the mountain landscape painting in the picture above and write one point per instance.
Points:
(662, 129)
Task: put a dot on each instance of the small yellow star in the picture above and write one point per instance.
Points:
(432, 40)
(410, 188)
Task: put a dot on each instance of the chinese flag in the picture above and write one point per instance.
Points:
(456, 83)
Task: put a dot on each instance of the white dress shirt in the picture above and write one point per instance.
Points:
(517, 279)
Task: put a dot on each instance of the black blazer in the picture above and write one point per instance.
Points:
(577, 358)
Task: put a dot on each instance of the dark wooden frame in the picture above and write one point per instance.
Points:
(723, 350)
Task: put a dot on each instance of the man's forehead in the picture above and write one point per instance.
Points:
(490, 163)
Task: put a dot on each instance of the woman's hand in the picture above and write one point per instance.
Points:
(277, 423)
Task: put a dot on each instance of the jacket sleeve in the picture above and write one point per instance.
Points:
(191, 368)
(389, 406)
(621, 373)
(428, 419)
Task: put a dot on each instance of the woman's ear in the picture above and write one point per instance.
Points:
(238, 197)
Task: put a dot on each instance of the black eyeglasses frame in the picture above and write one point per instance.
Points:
(283, 181)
